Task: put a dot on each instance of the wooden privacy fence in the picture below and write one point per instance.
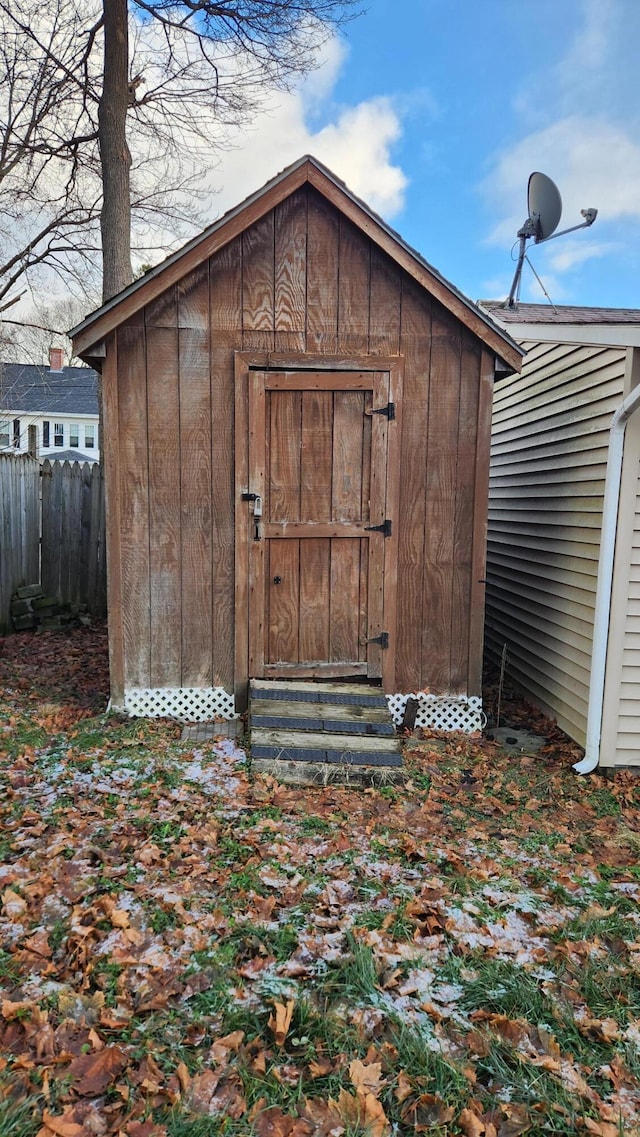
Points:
(52, 529)
(19, 527)
(73, 544)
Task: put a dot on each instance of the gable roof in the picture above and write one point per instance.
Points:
(567, 323)
(70, 456)
(88, 334)
(29, 389)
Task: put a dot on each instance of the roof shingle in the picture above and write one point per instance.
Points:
(559, 314)
(29, 389)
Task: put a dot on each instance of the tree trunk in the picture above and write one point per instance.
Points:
(115, 157)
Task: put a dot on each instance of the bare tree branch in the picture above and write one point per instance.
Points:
(70, 118)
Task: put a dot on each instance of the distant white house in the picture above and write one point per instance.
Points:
(58, 403)
(563, 561)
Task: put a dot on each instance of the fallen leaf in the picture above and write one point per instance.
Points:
(404, 1087)
(11, 1010)
(38, 944)
(470, 1124)
(320, 1067)
(427, 1110)
(183, 1075)
(202, 1090)
(92, 1073)
(61, 1126)
(366, 1077)
(363, 1111)
(145, 1129)
(13, 905)
(223, 1047)
(601, 1128)
(282, 1021)
(273, 1122)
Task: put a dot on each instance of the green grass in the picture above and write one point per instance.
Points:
(433, 1073)
(506, 989)
(19, 1118)
(314, 825)
(610, 993)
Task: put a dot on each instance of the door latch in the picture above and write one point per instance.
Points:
(256, 500)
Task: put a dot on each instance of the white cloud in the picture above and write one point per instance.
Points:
(571, 253)
(581, 127)
(593, 162)
(355, 143)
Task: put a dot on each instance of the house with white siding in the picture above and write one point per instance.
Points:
(52, 410)
(563, 563)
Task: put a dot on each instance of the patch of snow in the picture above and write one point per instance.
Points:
(111, 941)
(271, 984)
(522, 901)
(418, 982)
(37, 988)
(329, 946)
(13, 871)
(11, 933)
(447, 993)
(628, 887)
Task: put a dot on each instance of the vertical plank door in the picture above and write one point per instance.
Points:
(318, 461)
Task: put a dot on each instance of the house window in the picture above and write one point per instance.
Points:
(74, 435)
(16, 433)
(5, 434)
(89, 437)
(58, 434)
(45, 433)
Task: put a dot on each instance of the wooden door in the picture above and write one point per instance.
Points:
(317, 459)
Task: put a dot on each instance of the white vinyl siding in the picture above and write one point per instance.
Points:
(548, 463)
(621, 718)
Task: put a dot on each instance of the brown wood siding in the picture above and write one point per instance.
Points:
(303, 278)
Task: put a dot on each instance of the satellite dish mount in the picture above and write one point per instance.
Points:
(545, 210)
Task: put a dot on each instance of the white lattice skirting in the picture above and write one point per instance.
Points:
(442, 712)
(187, 704)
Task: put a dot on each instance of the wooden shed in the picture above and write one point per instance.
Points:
(297, 416)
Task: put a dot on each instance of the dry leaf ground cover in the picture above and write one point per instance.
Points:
(188, 950)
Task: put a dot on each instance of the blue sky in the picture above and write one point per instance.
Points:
(435, 112)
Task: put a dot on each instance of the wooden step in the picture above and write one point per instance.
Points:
(340, 749)
(323, 733)
(348, 718)
(329, 773)
(334, 693)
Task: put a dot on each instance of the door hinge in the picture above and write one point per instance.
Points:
(389, 411)
(382, 640)
(385, 528)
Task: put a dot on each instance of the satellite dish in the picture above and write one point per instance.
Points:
(545, 205)
(545, 209)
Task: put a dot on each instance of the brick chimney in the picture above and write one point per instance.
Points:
(56, 359)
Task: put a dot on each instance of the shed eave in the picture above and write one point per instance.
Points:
(600, 335)
(100, 323)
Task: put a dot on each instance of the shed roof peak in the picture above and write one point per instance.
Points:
(306, 170)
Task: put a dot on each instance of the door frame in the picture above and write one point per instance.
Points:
(244, 364)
